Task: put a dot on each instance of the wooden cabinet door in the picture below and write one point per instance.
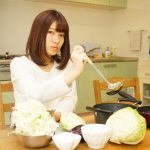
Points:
(125, 69)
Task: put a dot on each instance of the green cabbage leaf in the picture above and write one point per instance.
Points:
(70, 120)
(128, 126)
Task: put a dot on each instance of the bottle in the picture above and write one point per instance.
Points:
(107, 52)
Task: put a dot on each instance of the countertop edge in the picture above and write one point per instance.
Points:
(116, 59)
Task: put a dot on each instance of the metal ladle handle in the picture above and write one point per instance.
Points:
(94, 67)
(97, 70)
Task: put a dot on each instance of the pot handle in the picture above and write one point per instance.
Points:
(90, 108)
(130, 100)
(98, 109)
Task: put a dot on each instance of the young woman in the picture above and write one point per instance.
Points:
(47, 73)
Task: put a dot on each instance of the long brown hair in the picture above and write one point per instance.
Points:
(36, 44)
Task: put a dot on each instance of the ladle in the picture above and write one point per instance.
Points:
(112, 87)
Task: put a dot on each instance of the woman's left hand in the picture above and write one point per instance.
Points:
(56, 116)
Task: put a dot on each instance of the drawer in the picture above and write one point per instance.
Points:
(144, 72)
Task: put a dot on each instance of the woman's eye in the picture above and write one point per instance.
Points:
(50, 32)
(62, 35)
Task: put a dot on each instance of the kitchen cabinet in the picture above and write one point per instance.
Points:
(81, 1)
(144, 76)
(118, 3)
(107, 3)
(100, 2)
(85, 80)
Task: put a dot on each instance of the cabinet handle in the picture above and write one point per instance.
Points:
(110, 65)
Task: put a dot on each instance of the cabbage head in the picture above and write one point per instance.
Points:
(70, 120)
(128, 126)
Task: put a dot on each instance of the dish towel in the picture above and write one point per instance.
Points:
(135, 40)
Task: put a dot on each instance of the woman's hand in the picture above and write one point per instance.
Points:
(79, 59)
(56, 116)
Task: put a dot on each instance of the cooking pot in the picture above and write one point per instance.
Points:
(104, 110)
(143, 110)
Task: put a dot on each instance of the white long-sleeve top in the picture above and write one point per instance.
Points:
(31, 82)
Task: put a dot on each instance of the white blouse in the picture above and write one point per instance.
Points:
(31, 82)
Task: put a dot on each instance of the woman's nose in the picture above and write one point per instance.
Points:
(56, 38)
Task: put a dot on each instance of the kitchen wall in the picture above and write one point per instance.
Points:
(134, 18)
(87, 24)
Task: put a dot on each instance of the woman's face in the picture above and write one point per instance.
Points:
(54, 40)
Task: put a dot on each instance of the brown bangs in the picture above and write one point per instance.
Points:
(61, 26)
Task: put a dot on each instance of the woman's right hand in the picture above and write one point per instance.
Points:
(79, 59)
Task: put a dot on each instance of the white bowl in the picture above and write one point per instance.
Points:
(96, 135)
(66, 140)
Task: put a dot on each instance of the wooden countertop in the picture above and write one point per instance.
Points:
(11, 142)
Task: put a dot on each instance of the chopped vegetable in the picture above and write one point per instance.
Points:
(31, 118)
(70, 120)
(128, 126)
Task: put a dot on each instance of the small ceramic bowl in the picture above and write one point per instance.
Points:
(66, 140)
(34, 141)
(96, 135)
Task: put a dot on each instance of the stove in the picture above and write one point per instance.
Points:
(8, 56)
(5, 66)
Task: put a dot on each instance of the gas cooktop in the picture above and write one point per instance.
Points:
(4, 57)
(8, 56)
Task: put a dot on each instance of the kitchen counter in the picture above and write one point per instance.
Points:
(111, 59)
(11, 142)
(115, 59)
(7, 61)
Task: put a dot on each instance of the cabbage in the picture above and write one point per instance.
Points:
(31, 118)
(128, 126)
(70, 120)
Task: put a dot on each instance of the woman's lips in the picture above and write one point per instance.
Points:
(54, 47)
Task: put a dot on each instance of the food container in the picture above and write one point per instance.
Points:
(34, 141)
(104, 110)
(96, 135)
(66, 140)
(145, 112)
